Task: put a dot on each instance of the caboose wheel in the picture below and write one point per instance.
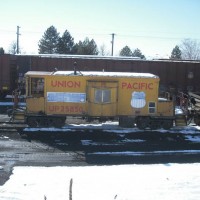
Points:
(32, 122)
(143, 123)
(45, 122)
(58, 122)
(167, 124)
(154, 125)
(126, 122)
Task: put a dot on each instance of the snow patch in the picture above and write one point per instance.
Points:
(169, 181)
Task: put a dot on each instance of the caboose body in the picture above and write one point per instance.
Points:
(131, 98)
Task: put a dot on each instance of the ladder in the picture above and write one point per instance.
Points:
(180, 120)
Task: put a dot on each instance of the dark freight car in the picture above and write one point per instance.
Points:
(175, 76)
(8, 74)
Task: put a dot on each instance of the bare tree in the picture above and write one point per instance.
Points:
(190, 49)
(13, 48)
(103, 51)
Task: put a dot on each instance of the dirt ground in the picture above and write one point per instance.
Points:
(15, 151)
(18, 151)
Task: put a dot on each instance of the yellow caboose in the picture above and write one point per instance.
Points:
(132, 98)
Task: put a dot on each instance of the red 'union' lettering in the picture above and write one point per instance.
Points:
(66, 84)
(137, 86)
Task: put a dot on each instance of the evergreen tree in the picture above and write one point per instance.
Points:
(1, 51)
(65, 44)
(125, 51)
(138, 53)
(176, 53)
(49, 42)
(87, 47)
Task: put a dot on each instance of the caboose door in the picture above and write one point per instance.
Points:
(35, 95)
(102, 98)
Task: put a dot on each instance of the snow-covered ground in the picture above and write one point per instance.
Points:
(123, 182)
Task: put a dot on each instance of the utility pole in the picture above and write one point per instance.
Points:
(18, 34)
(112, 42)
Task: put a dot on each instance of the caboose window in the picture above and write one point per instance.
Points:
(152, 107)
(37, 87)
(102, 96)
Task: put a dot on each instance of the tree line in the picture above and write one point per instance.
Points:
(188, 50)
(52, 43)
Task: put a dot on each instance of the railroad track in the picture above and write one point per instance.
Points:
(116, 147)
(102, 147)
(163, 149)
(8, 126)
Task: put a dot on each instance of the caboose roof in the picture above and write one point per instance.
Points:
(110, 74)
(94, 73)
(37, 73)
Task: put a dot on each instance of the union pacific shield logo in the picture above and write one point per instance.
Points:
(138, 99)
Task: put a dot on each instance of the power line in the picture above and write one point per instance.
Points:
(119, 35)
(156, 37)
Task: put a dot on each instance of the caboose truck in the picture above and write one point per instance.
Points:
(131, 98)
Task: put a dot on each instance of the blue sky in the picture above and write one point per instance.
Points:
(153, 26)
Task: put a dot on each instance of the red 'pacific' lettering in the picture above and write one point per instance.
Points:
(137, 86)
